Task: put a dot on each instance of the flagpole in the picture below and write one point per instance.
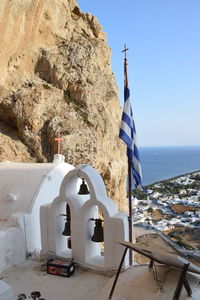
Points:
(130, 217)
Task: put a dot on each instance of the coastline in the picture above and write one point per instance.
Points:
(172, 178)
(162, 163)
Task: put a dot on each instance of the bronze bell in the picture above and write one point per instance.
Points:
(98, 231)
(67, 229)
(83, 188)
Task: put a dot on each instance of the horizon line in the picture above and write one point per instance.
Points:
(168, 146)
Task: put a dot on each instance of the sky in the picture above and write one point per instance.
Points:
(163, 37)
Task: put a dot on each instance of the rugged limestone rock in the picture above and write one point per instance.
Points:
(55, 75)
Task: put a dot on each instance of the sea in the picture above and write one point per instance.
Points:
(159, 163)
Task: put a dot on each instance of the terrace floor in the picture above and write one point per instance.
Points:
(136, 283)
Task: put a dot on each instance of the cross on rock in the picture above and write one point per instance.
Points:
(58, 140)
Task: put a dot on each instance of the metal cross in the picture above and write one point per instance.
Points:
(126, 73)
(58, 140)
(125, 49)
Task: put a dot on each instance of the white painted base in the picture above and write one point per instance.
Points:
(65, 254)
(6, 291)
(12, 248)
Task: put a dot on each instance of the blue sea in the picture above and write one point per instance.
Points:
(159, 163)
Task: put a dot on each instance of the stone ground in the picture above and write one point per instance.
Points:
(138, 231)
(149, 239)
(29, 277)
(135, 283)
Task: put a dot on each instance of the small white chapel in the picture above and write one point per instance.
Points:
(35, 201)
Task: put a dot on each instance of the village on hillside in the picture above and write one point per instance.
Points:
(173, 208)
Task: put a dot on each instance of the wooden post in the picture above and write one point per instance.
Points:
(182, 281)
(117, 275)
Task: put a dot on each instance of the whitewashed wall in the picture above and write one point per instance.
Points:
(83, 207)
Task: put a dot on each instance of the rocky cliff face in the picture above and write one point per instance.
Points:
(55, 75)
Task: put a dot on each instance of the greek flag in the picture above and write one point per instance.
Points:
(128, 135)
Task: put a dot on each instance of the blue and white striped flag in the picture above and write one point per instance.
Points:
(128, 135)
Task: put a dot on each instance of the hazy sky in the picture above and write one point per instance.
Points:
(163, 37)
